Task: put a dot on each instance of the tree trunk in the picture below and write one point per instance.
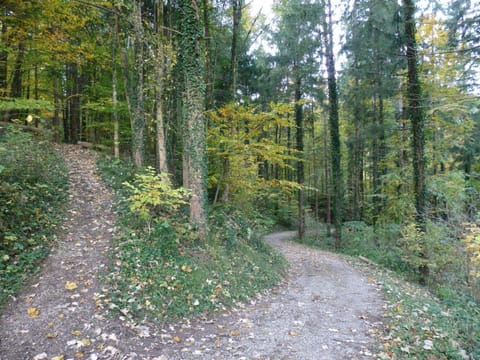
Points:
(328, 210)
(56, 111)
(417, 118)
(3, 61)
(208, 63)
(116, 137)
(299, 148)
(16, 88)
(74, 101)
(237, 6)
(194, 122)
(161, 150)
(335, 153)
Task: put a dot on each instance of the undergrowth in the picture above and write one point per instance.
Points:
(441, 321)
(33, 182)
(161, 271)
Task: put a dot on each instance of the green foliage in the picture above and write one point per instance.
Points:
(165, 273)
(153, 198)
(239, 145)
(33, 181)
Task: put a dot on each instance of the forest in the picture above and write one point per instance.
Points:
(357, 123)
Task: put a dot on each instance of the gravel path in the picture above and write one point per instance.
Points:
(325, 309)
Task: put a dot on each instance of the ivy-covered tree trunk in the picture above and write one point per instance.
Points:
(335, 154)
(208, 62)
(194, 166)
(415, 114)
(417, 118)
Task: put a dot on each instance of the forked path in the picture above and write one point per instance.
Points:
(325, 309)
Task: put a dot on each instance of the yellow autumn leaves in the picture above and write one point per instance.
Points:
(33, 312)
(69, 285)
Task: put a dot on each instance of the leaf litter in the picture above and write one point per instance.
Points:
(325, 309)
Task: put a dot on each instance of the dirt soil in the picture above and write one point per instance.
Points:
(325, 309)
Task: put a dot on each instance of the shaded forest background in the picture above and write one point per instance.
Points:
(378, 153)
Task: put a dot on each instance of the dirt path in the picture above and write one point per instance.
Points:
(326, 309)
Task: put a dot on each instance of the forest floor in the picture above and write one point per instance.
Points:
(326, 308)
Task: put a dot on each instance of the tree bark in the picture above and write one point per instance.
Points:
(299, 148)
(16, 88)
(194, 146)
(161, 150)
(417, 118)
(3, 61)
(237, 6)
(116, 137)
(335, 153)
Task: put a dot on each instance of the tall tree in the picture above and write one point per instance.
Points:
(193, 96)
(415, 113)
(335, 150)
(416, 116)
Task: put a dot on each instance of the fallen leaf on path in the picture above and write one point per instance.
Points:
(76, 332)
(41, 356)
(59, 357)
(177, 339)
(234, 333)
(33, 312)
(70, 285)
(292, 333)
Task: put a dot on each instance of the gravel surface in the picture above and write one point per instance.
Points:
(325, 309)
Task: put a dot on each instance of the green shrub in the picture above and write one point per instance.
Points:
(33, 182)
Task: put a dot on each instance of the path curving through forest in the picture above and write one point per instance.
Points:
(325, 309)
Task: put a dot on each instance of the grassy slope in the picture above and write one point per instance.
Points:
(164, 273)
(33, 183)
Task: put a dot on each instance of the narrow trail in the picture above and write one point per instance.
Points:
(325, 309)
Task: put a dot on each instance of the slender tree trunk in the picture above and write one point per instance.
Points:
(16, 88)
(194, 121)
(299, 148)
(74, 103)
(56, 111)
(138, 120)
(237, 6)
(116, 136)
(159, 85)
(3, 60)
(334, 132)
(417, 118)
(328, 197)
